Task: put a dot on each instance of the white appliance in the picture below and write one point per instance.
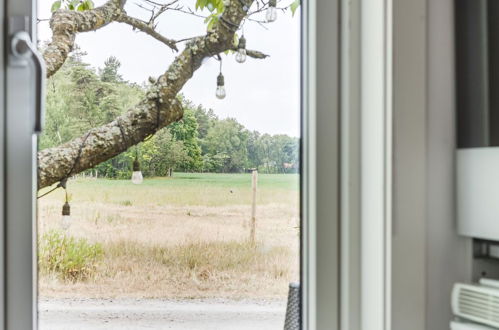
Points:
(477, 302)
(458, 325)
(478, 192)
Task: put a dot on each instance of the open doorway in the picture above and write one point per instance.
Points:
(169, 164)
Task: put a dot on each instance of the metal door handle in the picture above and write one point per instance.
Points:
(23, 49)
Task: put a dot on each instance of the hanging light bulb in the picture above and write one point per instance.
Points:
(271, 14)
(220, 93)
(241, 55)
(241, 50)
(66, 214)
(137, 177)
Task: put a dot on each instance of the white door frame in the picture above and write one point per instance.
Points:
(19, 173)
(375, 163)
(379, 237)
(320, 164)
(346, 164)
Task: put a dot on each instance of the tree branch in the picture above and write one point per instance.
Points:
(254, 53)
(146, 28)
(159, 9)
(65, 24)
(159, 108)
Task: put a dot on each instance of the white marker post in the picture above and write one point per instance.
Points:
(254, 180)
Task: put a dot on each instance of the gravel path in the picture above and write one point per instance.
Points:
(96, 314)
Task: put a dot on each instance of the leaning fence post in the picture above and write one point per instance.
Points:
(254, 180)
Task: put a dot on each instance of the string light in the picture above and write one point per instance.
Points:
(66, 212)
(220, 92)
(271, 14)
(241, 50)
(137, 177)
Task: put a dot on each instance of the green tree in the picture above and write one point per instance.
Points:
(284, 152)
(205, 119)
(162, 154)
(227, 140)
(186, 130)
(254, 160)
(109, 73)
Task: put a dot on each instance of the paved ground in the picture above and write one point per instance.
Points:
(65, 314)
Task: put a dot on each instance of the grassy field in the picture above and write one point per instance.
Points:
(180, 237)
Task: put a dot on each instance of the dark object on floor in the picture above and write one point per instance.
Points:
(293, 310)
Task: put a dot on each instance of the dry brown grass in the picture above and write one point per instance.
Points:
(179, 251)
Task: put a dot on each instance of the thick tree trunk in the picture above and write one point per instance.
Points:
(102, 143)
(159, 108)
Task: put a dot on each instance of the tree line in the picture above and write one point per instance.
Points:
(80, 97)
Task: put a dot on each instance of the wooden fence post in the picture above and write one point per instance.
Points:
(254, 180)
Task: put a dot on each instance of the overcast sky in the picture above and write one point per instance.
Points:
(262, 94)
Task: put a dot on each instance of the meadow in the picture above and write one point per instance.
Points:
(181, 237)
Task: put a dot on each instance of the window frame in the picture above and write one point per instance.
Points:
(340, 81)
(346, 165)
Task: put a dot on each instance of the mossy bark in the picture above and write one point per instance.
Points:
(65, 24)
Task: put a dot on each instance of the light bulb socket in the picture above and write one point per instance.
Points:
(242, 43)
(220, 80)
(136, 165)
(272, 3)
(66, 209)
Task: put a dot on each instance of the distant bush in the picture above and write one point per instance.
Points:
(70, 258)
(126, 203)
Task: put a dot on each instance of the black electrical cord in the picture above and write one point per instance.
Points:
(62, 183)
(51, 190)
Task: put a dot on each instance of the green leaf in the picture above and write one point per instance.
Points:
(73, 4)
(200, 4)
(90, 4)
(235, 42)
(294, 6)
(85, 5)
(56, 5)
(214, 6)
(212, 22)
(220, 6)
